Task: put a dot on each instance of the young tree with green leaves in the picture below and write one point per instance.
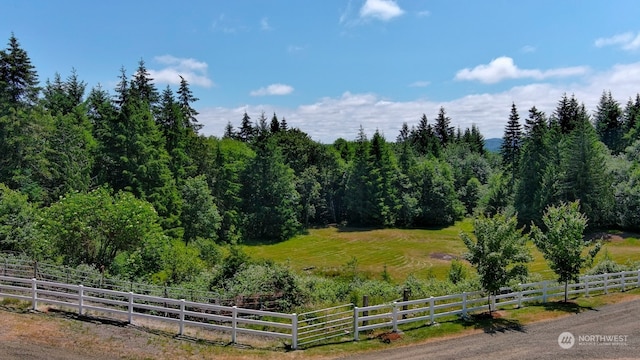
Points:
(499, 253)
(199, 216)
(562, 242)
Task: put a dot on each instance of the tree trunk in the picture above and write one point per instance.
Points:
(566, 290)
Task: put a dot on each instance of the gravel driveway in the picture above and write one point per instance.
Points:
(610, 332)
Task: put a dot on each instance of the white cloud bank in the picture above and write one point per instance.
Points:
(194, 71)
(627, 41)
(384, 10)
(503, 68)
(273, 89)
(330, 118)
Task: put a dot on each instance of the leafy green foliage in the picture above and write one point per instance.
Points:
(199, 217)
(499, 252)
(93, 228)
(562, 242)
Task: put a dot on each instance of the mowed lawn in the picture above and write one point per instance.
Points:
(421, 252)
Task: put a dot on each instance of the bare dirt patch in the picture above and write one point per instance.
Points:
(442, 256)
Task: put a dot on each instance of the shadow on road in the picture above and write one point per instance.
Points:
(492, 323)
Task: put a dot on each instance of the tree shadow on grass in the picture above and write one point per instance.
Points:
(566, 307)
(492, 323)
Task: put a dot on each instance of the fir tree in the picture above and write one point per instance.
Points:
(608, 123)
(18, 77)
(443, 129)
(511, 143)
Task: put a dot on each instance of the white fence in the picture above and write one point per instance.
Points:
(432, 308)
(341, 323)
(233, 320)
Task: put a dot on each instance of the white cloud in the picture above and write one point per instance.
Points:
(264, 24)
(424, 13)
(627, 41)
(329, 118)
(273, 89)
(384, 10)
(420, 84)
(528, 49)
(292, 49)
(194, 71)
(503, 68)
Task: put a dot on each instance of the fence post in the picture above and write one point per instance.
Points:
(234, 323)
(130, 306)
(355, 324)
(394, 319)
(606, 278)
(294, 331)
(586, 286)
(34, 297)
(365, 303)
(80, 298)
(544, 291)
(623, 274)
(520, 297)
(464, 304)
(638, 271)
(182, 317)
(405, 297)
(35, 269)
(431, 312)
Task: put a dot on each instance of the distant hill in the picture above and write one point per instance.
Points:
(493, 144)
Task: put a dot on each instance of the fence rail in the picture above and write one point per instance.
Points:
(340, 323)
(231, 319)
(429, 309)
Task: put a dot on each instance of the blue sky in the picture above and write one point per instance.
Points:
(332, 66)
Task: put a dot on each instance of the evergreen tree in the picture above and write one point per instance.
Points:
(142, 86)
(382, 174)
(185, 100)
(275, 124)
(529, 202)
(443, 129)
(584, 161)
(567, 113)
(24, 166)
(283, 124)
(177, 137)
(269, 197)
(608, 123)
(631, 120)
(229, 131)
(247, 131)
(424, 138)
(511, 144)
(18, 77)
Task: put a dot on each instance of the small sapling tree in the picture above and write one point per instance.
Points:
(499, 252)
(562, 243)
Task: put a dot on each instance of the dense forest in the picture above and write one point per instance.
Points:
(123, 179)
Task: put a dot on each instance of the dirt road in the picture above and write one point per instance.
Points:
(610, 332)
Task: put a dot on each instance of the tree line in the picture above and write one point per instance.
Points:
(124, 179)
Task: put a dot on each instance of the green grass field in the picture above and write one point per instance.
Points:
(421, 252)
